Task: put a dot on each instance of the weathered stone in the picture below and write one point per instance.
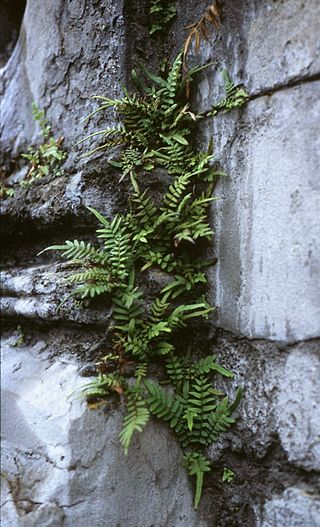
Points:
(296, 507)
(257, 367)
(273, 170)
(298, 407)
(263, 56)
(286, 51)
(63, 80)
(62, 463)
(62, 459)
(267, 228)
(54, 203)
(43, 293)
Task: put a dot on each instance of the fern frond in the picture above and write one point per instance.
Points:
(117, 246)
(102, 386)
(236, 97)
(140, 373)
(128, 310)
(164, 405)
(146, 211)
(162, 13)
(76, 250)
(158, 308)
(208, 364)
(182, 284)
(175, 368)
(184, 312)
(175, 192)
(136, 418)
(92, 290)
(163, 348)
(135, 343)
(174, 83)
(197, 465)
(219, 421)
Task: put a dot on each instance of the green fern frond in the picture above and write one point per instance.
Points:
(136, 418)
(197, 465)
(146, 211)
(176, 191)
(101, 386)
(220, 420)
(117, 246)
(163, 348)
(208, 364)
(236, 97)
(162, 13)
(140, 372)
(171, 91)
(175, 368)
(184, 312)
(76, 250)
(158, 308)
(164, 405)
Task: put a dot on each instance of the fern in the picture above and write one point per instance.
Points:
(136, 418)
(137, 411)
(197, 465)
(208, 364)
(162, 13)
(209, 417)
(193, 409)
(165, 406)
(117, 246)
(156, 233)
(74, 250)
(236, 97)
(102, 386)
(175, 368)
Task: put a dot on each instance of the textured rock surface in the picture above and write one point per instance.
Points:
(62, 80)
(273, 171)
(296, 507)
(267, 223)
(62, 462)
(42, 293)
(298, 413)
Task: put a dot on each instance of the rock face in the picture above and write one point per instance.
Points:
(62, 463)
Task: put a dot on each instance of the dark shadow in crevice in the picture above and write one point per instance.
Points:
(11, 14)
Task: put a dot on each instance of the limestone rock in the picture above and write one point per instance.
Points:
(267, 228)
(296, 507)
(62, 463)
(298, 407)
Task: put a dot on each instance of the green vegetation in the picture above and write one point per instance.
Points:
(156, 131)
(47, 158)
(162, 14)
(5, 191)
(227, 475)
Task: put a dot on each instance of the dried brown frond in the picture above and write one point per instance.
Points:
(200, 29)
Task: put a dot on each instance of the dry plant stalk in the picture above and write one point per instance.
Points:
(199, 30)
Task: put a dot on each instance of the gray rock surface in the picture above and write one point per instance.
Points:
(62, 463)
(296, 507)
(63, 80)
(267, 228)
(266, 56)
(298, 407)
(43, 293)
(282, 397)
(273, 167)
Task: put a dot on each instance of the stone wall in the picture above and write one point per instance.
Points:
(62, 464)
